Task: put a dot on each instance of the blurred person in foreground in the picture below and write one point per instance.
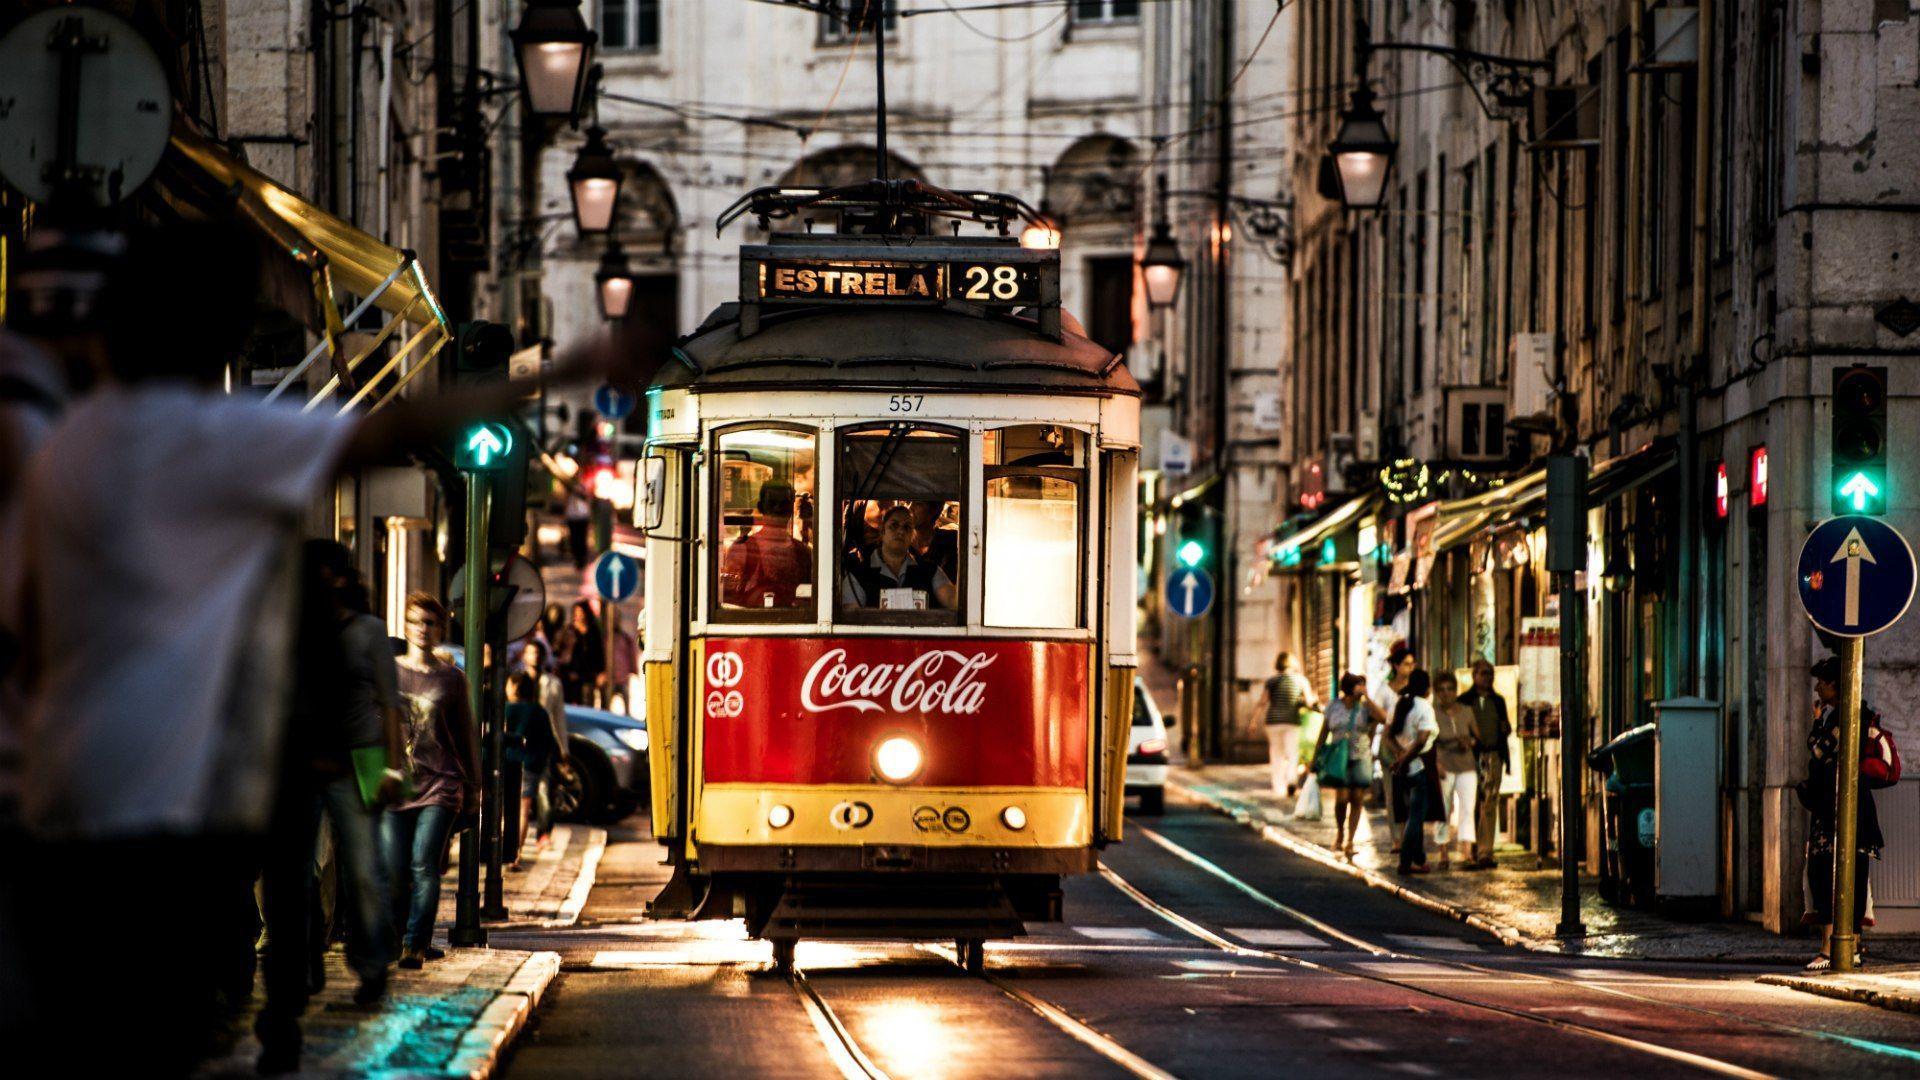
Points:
(49, 352)
(159, 528)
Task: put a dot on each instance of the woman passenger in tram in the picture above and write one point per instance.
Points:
(890, 577)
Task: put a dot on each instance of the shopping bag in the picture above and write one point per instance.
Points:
(1307, 806)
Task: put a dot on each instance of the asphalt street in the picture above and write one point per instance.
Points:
(1199, 951)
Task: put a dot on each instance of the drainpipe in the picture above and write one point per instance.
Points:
(1690, 491)
(1226, 632)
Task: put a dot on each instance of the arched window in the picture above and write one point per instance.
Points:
(1097, 181)
(646, 216)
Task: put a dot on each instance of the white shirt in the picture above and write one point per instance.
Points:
(1422, 727)
(160, 527)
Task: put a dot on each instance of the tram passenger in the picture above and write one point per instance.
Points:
(889, 570)
(767, 567)
(931, 543)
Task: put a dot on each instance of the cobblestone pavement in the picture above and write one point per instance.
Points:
(456, 1016)
(1519, 901)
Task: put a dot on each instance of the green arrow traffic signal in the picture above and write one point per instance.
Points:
(1859, 491)
(485, 446)
(1191, 553)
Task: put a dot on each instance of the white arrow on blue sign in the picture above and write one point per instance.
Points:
(612, 402)
(1856, 575)
(1189, 592)
(616, 577)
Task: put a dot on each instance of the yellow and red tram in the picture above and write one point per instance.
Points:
(890, 597)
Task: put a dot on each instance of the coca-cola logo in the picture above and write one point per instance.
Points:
(940, 681)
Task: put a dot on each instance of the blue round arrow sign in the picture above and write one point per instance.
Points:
(1856, 575)
(612, 402)
(1189, 592)
(616, 577)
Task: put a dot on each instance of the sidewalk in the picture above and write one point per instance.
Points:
(1896, 988)
(1517, 902)
(456, 1016)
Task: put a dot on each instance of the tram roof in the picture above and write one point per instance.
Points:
(829, 347)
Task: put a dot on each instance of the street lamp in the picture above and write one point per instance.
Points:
(1362, 153)
(1040, 235)
(554, 48)
(614, 282)
(594, 182)
(1161, 265)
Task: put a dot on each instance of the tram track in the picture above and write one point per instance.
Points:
(1381, 952)
(1220, 873)
(842, 1047)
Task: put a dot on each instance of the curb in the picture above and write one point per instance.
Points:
(479, 1051)
(576, 900)
(1273, 834)
(1898, 1001)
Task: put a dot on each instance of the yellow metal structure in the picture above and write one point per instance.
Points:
(1113, 750)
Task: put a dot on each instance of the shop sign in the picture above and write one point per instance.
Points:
(792, 710)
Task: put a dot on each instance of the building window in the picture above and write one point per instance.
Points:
(1095, 12)
(630, 25)
(837, 29)
(1110, 301)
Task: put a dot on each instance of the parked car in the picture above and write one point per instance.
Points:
(609, 778)
(1147, 753)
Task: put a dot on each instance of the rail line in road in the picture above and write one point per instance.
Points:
(848, 1057)
(1229, 878)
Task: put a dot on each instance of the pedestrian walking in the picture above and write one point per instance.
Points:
(1412, 733)
(353, 804)
(1820, 793)
(1343, 758)
(444, 763)
(578, 514)
(1286, 693)
(1385, 700)
(530, 734)
(1492, 729)
(536, 660)
(583, 655)
(1455, 819)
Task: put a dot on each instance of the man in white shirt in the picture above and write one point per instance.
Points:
(158, 528)
(1412, 736)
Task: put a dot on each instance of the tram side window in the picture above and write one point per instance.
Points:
(900, 488)
(1034, 475)
(766, 526)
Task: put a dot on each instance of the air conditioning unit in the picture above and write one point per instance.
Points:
(1530, 365)
(1477, 423)
(1366, 441)
(1565, 117)
(1339, 459)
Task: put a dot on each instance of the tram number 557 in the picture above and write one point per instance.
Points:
(905, 403)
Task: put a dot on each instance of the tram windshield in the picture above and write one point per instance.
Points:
(766, 522)
(900, 497)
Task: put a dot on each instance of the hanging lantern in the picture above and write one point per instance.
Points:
(594, 182)
(614, 282)
(554, 50)
(1362, 153)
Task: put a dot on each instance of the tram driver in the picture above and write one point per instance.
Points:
(890, 577)
(769, 567)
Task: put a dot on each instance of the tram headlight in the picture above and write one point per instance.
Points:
(780, 816)
(897, 759)
(1014, 818)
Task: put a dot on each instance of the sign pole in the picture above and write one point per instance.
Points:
(467, 930)
(494, 820)
(1846, 822)
(1566, 555)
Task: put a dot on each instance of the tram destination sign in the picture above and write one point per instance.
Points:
(979, 282)
(989, 275)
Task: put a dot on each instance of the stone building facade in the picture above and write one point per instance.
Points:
(1656, 259)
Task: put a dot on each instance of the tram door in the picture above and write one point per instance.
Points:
(669, 511)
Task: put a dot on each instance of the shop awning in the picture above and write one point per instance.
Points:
(1287, 551)
(331, 254)
(1526, 495)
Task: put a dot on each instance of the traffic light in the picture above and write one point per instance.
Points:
(1859, 440)
(1193, 543)
(481, 350)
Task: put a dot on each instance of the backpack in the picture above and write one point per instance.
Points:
(1879, 759)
